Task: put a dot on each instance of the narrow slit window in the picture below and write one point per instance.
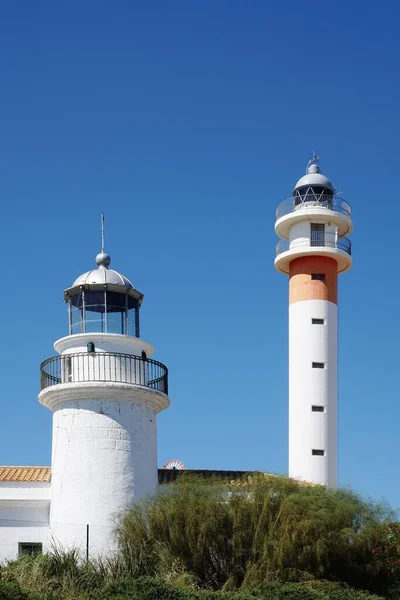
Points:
(317, 408)
(317, 452)
(318, 276)
(318, 365)
(318, 321)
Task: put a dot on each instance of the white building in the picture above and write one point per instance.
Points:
(313, 250)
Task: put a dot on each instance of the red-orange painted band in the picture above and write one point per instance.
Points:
(303, 287)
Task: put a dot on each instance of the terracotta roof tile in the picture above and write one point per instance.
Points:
(36, 474)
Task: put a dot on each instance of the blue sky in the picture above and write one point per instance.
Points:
(186, 123)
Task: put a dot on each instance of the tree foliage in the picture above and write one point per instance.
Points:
(266, 529)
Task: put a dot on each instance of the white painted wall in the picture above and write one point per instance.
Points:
(300, 233)
(104, 452)
(104, 456)
(24, 516)
(104, 342)
(12, 532)
(24, 490)
(24, 511)
(307, 386)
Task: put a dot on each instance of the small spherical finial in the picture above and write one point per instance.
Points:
(313, 169)
(103, 260)
(313, 166)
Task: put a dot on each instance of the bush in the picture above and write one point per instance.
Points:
(268, 529)
(151, 589)
(56, 573)
(10, 590)
(270, 538)
(145, 588)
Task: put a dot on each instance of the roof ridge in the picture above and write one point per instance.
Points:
(25, 467)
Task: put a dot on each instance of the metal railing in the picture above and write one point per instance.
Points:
(334, 203)
(322, 240)
(103, 366)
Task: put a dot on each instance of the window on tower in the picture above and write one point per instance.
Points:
(76, 314)
(317, 234)
(318, 276)
(318, 365)
(317, 452)
(94, 319)
(317, 408)
(317, 321)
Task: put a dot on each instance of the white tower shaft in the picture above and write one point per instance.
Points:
(313, 372)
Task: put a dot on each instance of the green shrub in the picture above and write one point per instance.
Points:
(270, 538)
(239, 537)
(10, 590)
(151, 589)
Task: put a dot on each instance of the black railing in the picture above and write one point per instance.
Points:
(318, 239)
(334, 203)
(104, 366)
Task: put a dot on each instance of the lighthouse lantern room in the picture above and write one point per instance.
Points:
(103, 301)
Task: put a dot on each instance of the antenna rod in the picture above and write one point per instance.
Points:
(102, 232)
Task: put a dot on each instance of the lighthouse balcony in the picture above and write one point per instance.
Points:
(104, 367)
(330, 208)
(326, 244)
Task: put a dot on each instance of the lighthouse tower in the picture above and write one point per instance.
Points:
(313, 250)
(105, 392)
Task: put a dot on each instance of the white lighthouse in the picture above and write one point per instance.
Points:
(313, 250)
(105, 392)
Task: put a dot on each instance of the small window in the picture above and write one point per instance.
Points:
(316, 452)
(29, 548)
(317, 321)
(317, 234)
(318, 276)
(317, 408)
(144, 355)
(318, 365)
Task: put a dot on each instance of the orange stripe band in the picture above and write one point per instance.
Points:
(305, 282)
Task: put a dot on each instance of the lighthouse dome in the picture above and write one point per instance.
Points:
(103, 275)
(314, 178)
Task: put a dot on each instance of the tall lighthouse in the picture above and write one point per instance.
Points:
(313, 250)
(105, 392)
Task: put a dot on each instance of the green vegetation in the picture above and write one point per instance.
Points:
(268, 538)
(152, 589)
(272, 529)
